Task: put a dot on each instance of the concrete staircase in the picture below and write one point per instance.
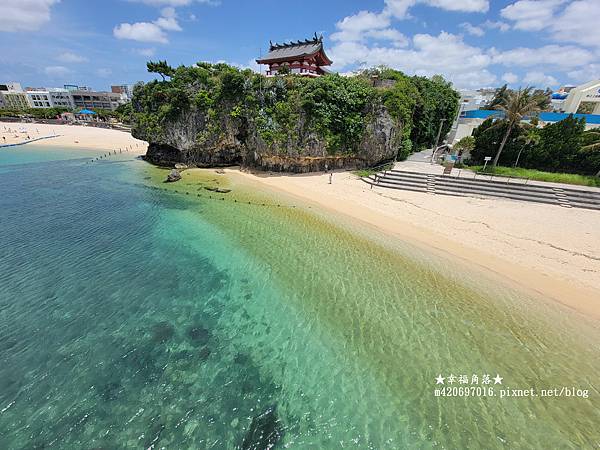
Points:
(451, 185)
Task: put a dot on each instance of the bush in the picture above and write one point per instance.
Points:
(560, 147)
(465, 145)
(487, 140)
(334, 108)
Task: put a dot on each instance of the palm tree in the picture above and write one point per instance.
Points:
(531, 136)
(515, 105)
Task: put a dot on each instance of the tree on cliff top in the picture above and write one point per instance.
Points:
(161, 68)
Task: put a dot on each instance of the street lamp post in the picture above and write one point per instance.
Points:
(437, 139)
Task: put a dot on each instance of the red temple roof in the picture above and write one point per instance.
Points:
(297, 51)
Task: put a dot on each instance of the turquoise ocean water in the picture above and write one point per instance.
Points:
(134, 316)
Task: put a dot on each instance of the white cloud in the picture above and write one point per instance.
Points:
(353, 28)
(472, 29)
(540, 79)
(168, 20)
(70, 57)
(460, 5)
(499, 25)
(445, 54)
(141, 31)
(562, 57)
(531, 15)
(150, 31)
(146, 51)
(585, 74)
(367, 25)
(510, 78)
(25, 15)
(176, 3)
(103, 72)
(388, 34)
(400, 8)
(56, 71)
(579, 22)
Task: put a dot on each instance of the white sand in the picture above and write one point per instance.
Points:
(546, 249)
(71, 136)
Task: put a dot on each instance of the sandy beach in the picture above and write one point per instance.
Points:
(70, 136)
(544, 249)
(547, 250)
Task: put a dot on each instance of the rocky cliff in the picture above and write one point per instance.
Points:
(215, 115)
(188, 139)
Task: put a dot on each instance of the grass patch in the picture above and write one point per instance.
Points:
(538, 175)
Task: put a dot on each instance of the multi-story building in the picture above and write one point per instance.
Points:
(15, 100)
(71, 97)
(13, 96)
(584, 99)
(96, 100)
(61, 98)
(38, 98)
(125, 90)
(49, 98)
(11, 87)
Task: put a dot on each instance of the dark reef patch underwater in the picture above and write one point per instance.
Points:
(133, 317)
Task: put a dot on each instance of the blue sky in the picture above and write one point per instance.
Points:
(474, 43)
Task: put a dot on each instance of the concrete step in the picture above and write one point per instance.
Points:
(448, 185)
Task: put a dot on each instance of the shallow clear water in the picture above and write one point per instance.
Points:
(134, 316)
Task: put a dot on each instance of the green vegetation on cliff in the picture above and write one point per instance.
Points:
(218, 108)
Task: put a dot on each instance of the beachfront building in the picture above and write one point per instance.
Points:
(125, 90)
(38, 98)
(306, 58)
(584, 99)
(96, 100)
(49, 98)
(61, 98)
(13, 97)
(15, 100)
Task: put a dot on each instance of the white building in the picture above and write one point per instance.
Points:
(13, 97)
(38, 98)
(584, 99)
(96, 100)
(471, 100)
(50, 98)
(61, 98)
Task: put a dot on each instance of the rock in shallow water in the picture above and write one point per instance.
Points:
(199, 335)
(265, 431)
(162, 332)
(217, 189)
(173, 176)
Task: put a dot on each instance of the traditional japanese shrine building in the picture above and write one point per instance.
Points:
(306, 57)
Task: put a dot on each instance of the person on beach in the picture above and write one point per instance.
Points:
(330, 177)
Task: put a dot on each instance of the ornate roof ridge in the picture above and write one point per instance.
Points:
(315, 40)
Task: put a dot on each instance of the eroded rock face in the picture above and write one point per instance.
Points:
(189, 140)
